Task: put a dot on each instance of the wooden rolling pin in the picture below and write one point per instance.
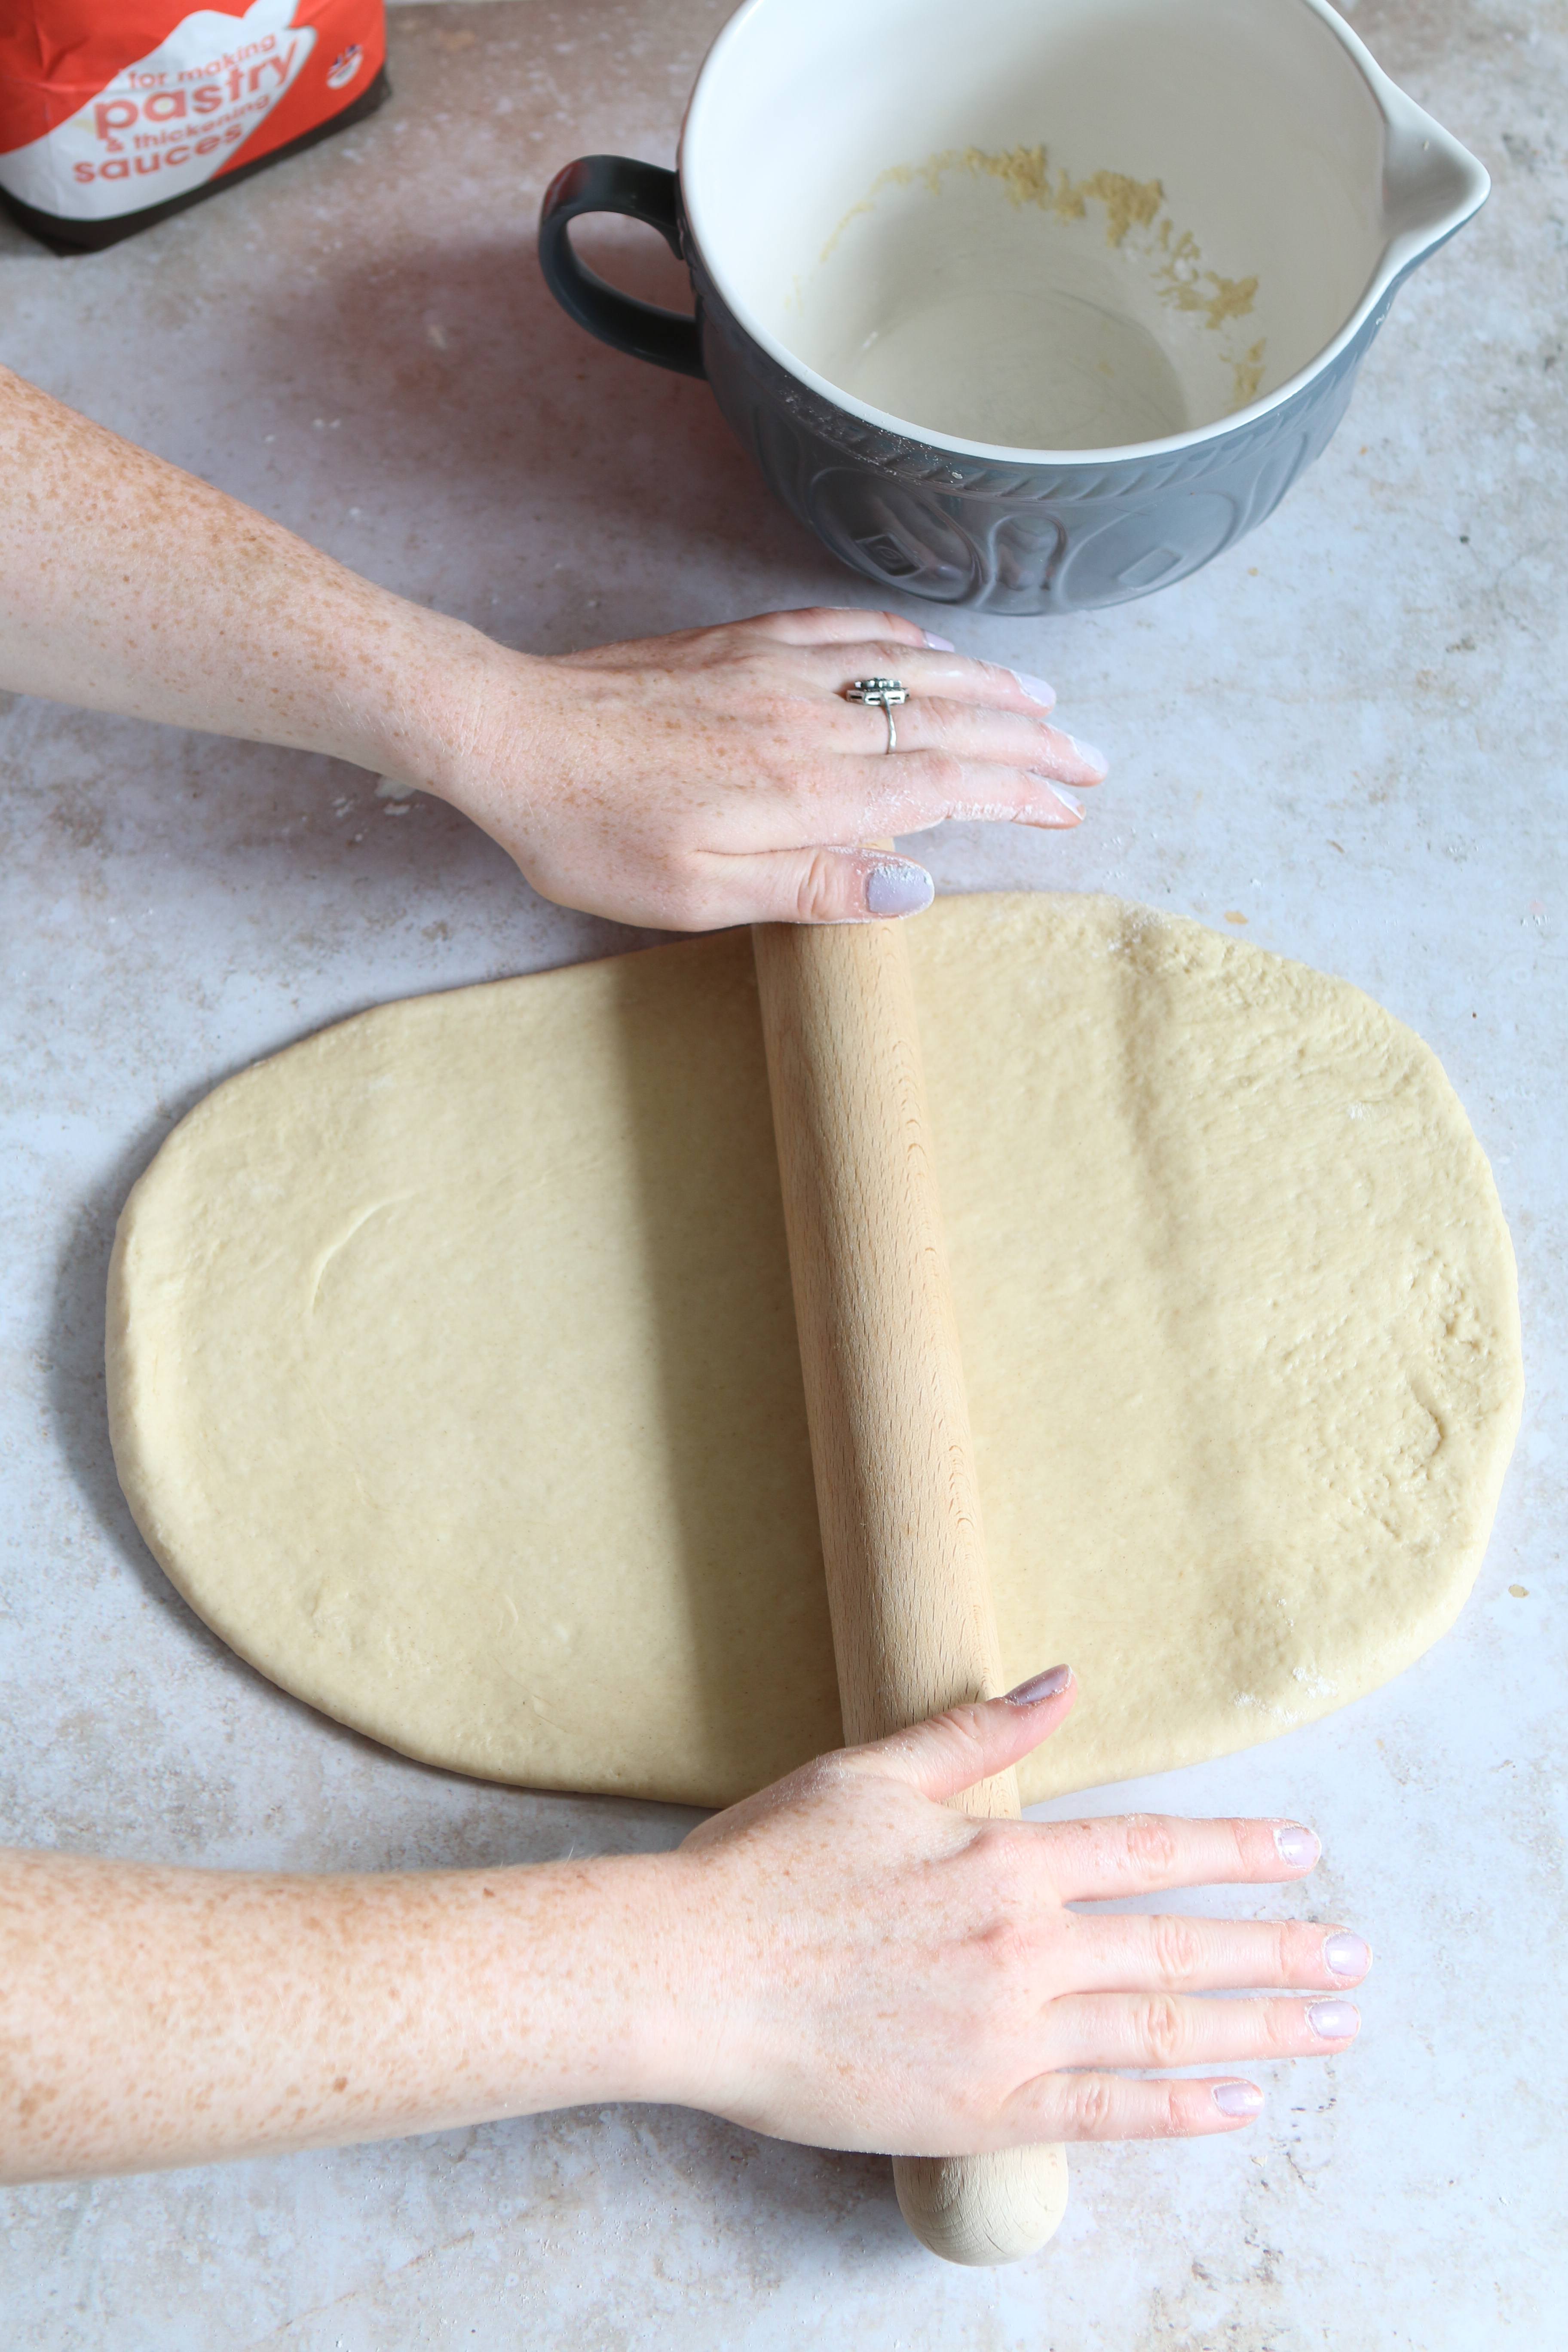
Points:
(913, 1628)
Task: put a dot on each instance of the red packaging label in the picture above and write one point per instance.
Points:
(110, 105)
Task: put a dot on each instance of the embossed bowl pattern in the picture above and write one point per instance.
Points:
(922, 521)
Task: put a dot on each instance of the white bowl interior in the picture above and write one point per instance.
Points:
(1049, 224)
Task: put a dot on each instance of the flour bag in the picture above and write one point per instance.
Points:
(114, 114)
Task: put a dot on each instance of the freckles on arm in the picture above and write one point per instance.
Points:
(152, 2017)
(127, 584)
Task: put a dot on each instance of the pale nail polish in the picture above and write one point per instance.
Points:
(1069, 801)
(1346, 1955)
(1334, 2020)
(1035, 688)
(898, 889)
(938, 644)
(1087, 752)
(1049, 1685)
(1295, 1844)
(1238, 2098)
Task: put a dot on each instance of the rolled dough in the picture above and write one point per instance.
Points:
(453, 1374)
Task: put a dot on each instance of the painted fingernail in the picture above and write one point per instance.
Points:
(1295, 1844)
(898, 889)
(1238, 2098)
(1088, 754)
(1049, 1685)
(1035, 688)
(1059, 794)
(938, 644)
(1346, 1955)
(1334, 2020)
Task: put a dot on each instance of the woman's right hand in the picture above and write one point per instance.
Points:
(865, 1969)
(839, 1959)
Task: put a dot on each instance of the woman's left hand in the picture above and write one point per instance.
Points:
(720, 776)
(717, 776)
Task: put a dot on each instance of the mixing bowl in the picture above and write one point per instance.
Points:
(1034, 304)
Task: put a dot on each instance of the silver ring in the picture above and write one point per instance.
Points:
(882, 694)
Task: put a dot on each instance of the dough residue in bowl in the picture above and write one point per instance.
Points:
(1069, 351)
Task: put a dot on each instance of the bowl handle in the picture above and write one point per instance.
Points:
(645, 192)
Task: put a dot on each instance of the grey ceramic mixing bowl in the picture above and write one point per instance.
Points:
(913, 226)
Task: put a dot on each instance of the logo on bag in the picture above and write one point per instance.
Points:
(344, 66)
(170, 121)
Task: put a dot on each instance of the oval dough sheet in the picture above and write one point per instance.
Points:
(453, 1373)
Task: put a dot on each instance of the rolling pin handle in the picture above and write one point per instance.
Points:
(981, 2210)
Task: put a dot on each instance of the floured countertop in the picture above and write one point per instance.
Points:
(1343, 740)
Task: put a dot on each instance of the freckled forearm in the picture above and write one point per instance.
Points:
(128, 585)
(152, 2017)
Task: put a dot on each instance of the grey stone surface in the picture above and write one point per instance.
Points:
(1348, 730)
